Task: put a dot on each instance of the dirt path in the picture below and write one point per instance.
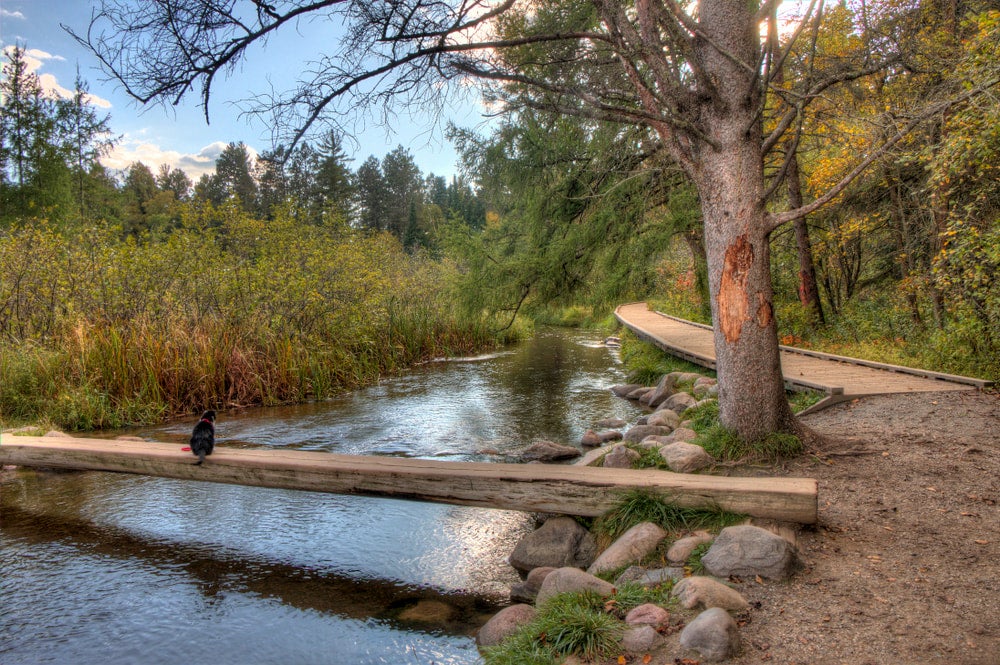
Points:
(904, 565)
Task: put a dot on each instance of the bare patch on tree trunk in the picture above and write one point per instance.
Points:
(765, 313)
(733, 299)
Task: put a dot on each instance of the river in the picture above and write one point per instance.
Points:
(107, 568)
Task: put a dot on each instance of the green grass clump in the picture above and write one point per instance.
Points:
(571, 623)
(638, 506)
(647, 364)
(724, 444)
(631, 595)
(649, 458)
(703, 416)
(802, 400)
(693, 564)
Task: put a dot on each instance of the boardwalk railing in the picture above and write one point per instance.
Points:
(553, 488)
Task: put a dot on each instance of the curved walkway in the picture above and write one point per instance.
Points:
(841, 378)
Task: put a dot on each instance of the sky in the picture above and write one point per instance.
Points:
(179, 136)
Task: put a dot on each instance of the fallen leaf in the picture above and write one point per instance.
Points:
(982, 542)
(622, 660)
(646, 659)
(759, 580)
(970, 514)
(888, 528)
(931, 489)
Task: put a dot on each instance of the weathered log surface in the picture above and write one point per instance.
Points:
(570, 490)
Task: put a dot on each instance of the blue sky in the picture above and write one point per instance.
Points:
(179, 136)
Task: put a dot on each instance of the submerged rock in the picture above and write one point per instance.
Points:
(548, 451)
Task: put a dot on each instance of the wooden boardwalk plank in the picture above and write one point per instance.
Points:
(840, 377)
(571, 490)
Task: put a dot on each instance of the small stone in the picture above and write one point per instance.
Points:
(641, 639)
(561, 541)
(548, 451)
(428, 611)
(705, 592)
(527, 591)
(590, 439)
(567, 580)
(713, 634)
(638, 393)
(664, 389)
(630, 574)
(625, 389)
(640, 432)
(748, 551)
(620, 457)
(592, 455)
(610, 435)
(682, 433)
(679, 403)
(684, 457)
(659, 576)
(683, 547)
(611, 423)
(648, 615)
(664, 418)
(504, 623)
(631, 547)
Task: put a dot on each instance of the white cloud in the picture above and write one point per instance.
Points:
(152, 155)
(35, 59)
(6, 13)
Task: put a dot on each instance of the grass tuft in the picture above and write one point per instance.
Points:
(723, 444)
(638, 506)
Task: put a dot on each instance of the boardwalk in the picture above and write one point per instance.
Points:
(839, 377)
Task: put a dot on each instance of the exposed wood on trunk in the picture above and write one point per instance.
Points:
(570, 490)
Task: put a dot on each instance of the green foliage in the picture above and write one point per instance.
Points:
(631, 595)
(693, 563)
(647, 364)
(703, 416)
(638, 506)
(98, 329)
(649, 458)
(723, 444)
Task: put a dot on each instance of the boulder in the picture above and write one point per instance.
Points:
(608, 435)
(620, 457)
(548, 451)
(685, 457)
(631, 547)
(681, 434)
(679, 402)
(749, 551)
(625, 389)
(641, 639)
(664, 389)
(683, 547)
(713, 634)
(592, 455)
(504, 623)
(659, 576)
(706, 593)
(590, 439)
(561, 541)
(638, 393)
(663, 418)
(639, 432)
(648, 615)
(568, 580)
(527, 591)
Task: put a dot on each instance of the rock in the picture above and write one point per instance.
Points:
(713, 634)
(683, 547)
(654, 442)
(620, 457)
(679, 402)
(638, 393)
(664, 389)
(592, 455)
(527, 591)
(639, 432)
(648, 615)
(682, 434)
(504, 623)
(690, 377)
(428, 611)
(699, 390)
(705, 592)
(561, 541)
(548, 451)
(631, 547)
(707, 400)
(592, 438)
(630, 574)
(705, 381)
(611, 423)
(685, 457)
(624, 390)
(641, 639)
(713, 391)
(567, 580)
(663, 418)
(749, 551)
(658, 576)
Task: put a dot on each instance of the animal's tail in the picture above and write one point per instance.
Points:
(201, 458)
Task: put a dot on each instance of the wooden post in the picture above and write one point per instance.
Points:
(553, 488)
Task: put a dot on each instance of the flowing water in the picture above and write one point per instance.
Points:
(109, 568)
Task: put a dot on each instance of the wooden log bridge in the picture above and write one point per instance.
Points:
(553, 488)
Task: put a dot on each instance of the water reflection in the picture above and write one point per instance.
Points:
(123, 569)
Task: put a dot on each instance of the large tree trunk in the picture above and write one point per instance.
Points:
(730, 181)
(808, 289)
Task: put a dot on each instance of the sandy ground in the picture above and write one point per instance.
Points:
(904, 565)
